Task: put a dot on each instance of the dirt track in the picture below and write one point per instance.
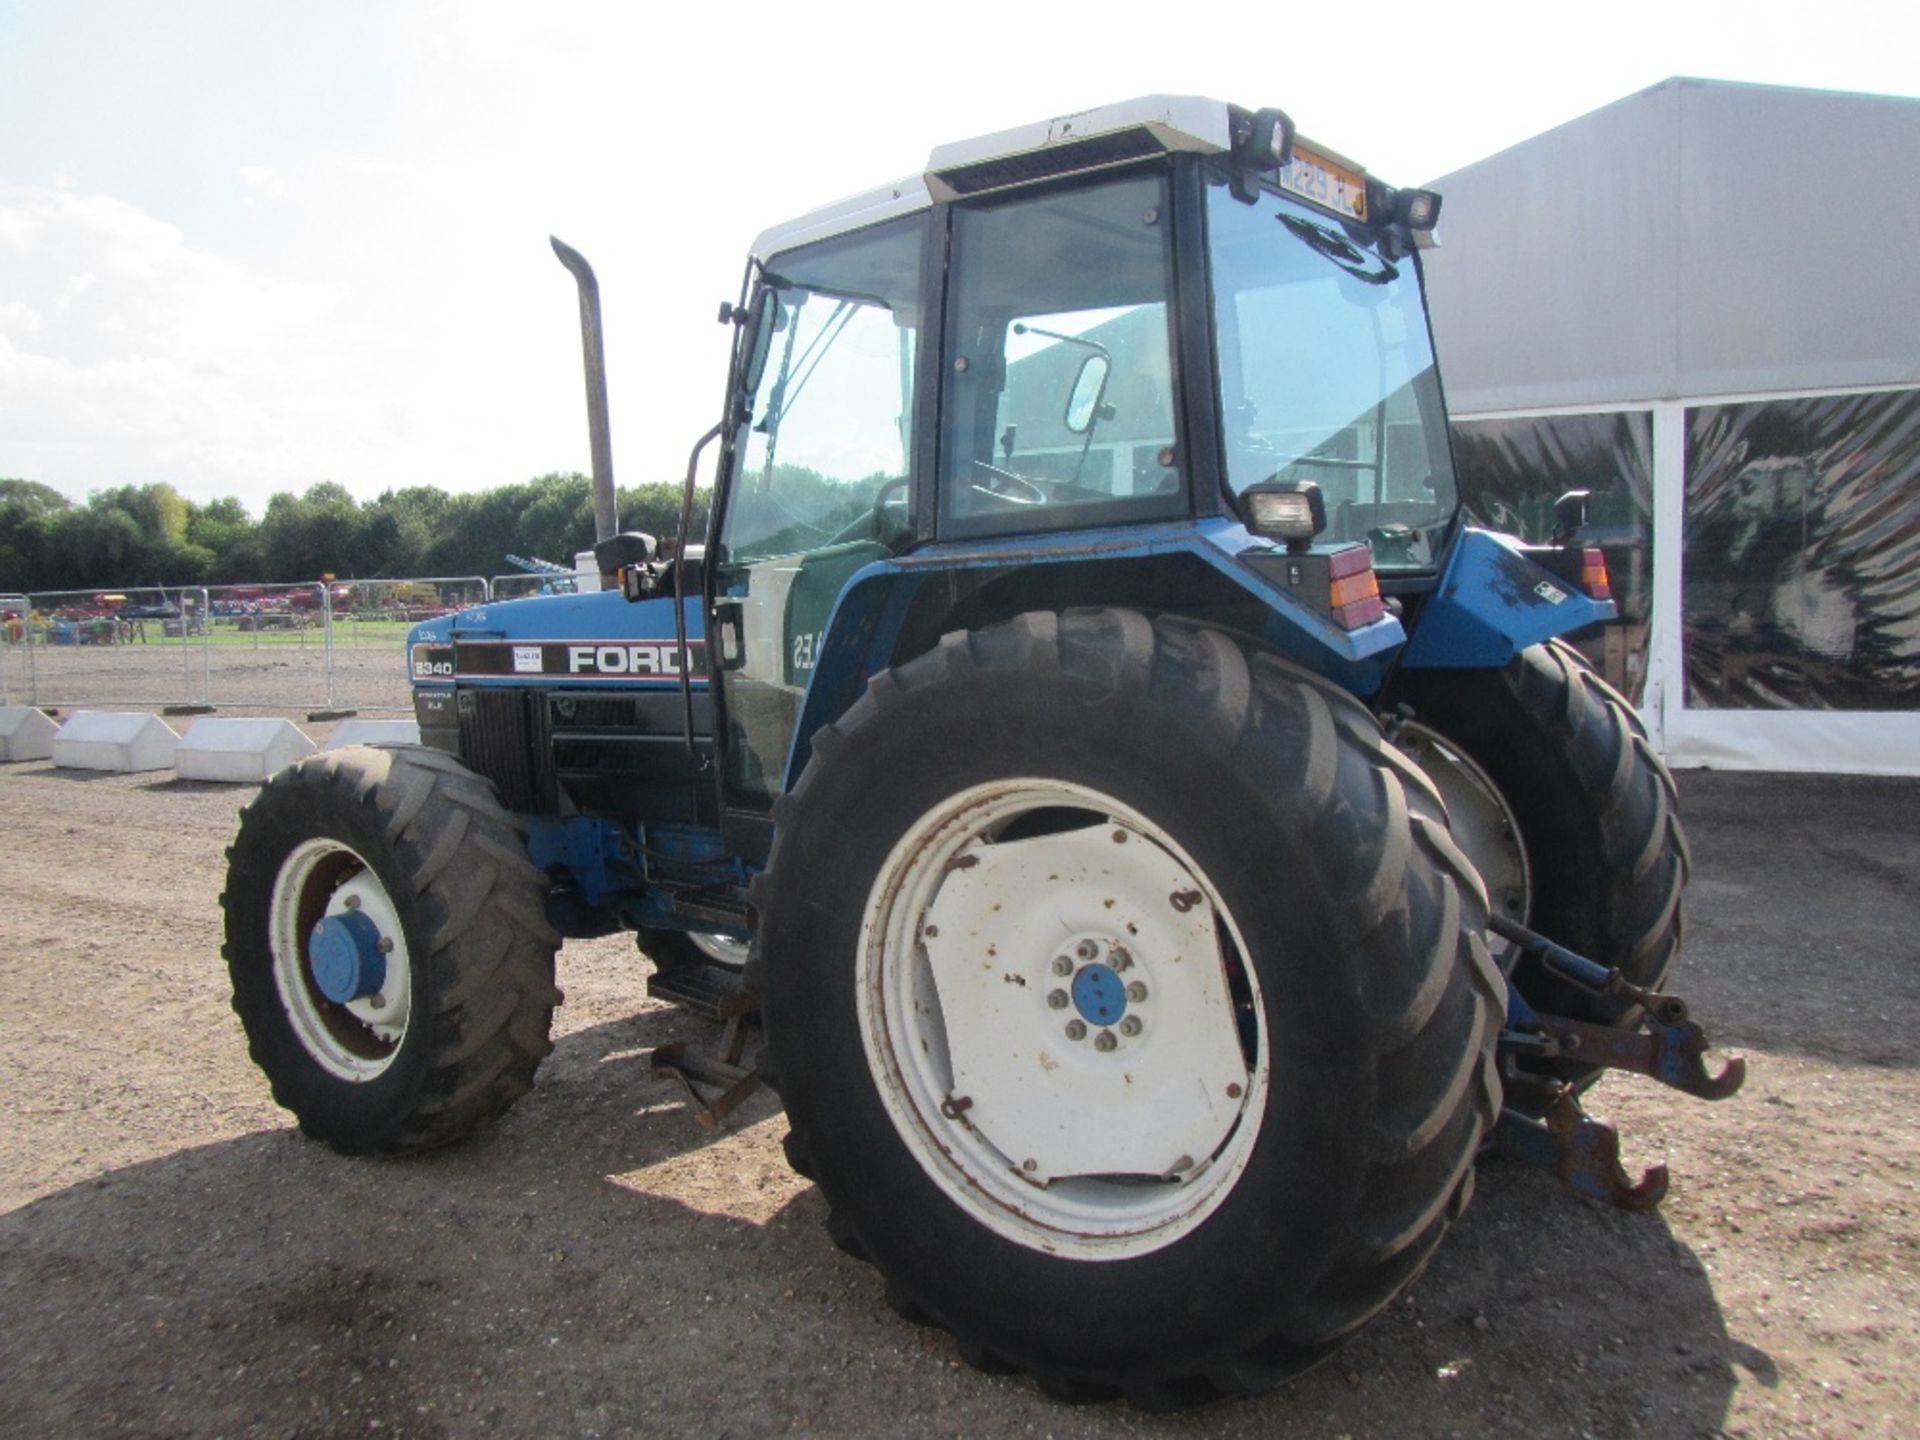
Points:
(176, 1260)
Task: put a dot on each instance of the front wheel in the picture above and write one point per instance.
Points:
(390, 955)
(1129, 1001)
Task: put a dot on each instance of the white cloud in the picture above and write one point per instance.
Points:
(263, 182)
(149, 359)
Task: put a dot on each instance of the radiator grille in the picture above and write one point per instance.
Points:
(503, 736)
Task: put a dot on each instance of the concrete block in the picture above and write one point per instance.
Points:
(242, 751)
(25, 733)
(114, 740)
(374, 732)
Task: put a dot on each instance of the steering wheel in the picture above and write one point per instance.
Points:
(1034, 494)
(874, 521)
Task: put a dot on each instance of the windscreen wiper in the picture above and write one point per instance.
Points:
(1340, 250)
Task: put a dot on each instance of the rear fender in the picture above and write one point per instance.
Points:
(1491, 603)
(882, 614)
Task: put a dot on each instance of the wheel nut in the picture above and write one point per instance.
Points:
(1076, 1030)
(1057, 999)
(379, 1000)
(1130, 1025)
(1087, 950)
(1137, 990)
(1104, 1040)
(1121, 958)
(1062, 965)
(352, 902)
(386, 945)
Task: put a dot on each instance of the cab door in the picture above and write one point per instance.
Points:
(819, 482)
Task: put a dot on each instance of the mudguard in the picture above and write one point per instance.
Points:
(1493, 601)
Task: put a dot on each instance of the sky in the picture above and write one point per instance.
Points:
(248, 247)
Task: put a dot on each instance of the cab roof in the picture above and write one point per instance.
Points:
(1087, 139)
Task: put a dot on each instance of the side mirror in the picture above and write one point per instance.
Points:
(626, 555)
(629, 547)
(1570, 515)
(1089, 386)
(767, 321)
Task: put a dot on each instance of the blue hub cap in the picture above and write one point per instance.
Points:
(344, 955)
(1099, 995)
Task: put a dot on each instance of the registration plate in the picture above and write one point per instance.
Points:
(1327, 184)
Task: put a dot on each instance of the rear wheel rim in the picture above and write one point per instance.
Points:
(1060, 1020)
(1482, 823)
(356, 1040)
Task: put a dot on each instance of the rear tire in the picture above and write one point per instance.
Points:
(1350, 1070)
(1607, 858)
(413, 841)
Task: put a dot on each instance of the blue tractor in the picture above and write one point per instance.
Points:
(1159, 843)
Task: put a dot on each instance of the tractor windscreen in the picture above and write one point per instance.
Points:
(1327, 373)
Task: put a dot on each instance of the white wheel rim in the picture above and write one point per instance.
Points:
(356, 1040)
(1101, 1145)
(721, 949)
(1482, 823)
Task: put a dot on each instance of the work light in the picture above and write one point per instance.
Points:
(1289, 510)
(1269, 140)
(1417, 209)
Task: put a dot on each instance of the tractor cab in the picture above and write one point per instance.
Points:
(1164, 354)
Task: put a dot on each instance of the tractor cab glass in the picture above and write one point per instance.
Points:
(1327, 373)
(819, 479)
(1058, 409)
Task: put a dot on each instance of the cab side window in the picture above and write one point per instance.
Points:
(1059, 366)
(831, 420)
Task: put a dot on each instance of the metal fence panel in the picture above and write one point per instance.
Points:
(368, 623)
(319, 645)
(135, 646)
(264, 647)
(13, 650)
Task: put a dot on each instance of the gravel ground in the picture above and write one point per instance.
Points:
(176, 1260)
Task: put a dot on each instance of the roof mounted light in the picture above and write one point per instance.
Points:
(1269, 143)
(1289, 510)
(1417, 209)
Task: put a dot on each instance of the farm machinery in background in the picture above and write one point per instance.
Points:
(555, 579)
(1162, 844)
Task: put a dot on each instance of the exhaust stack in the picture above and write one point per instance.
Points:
(606, 520)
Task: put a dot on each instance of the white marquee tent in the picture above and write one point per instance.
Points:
(1703, 303)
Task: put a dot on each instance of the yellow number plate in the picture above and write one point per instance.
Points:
(1334, 187)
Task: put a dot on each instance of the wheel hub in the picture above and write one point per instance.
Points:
(345, 955)
(1099, 995)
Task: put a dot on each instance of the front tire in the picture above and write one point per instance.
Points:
(391, 960)
(993, 848)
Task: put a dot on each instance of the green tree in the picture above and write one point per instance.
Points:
(305, 536)
(29, 512)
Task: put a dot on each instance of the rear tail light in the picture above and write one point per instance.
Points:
(1353, 591)
(1593, 573)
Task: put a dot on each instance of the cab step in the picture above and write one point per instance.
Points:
(710, 990)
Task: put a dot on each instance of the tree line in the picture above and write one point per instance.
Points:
(148, 535)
